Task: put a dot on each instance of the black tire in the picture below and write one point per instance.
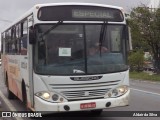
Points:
(24, 94)
(96, 112)
(10, 95)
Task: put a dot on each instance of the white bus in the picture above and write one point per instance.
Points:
(68, 57)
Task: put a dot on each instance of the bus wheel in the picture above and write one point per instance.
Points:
(24, 94)
(10, 94)
(97, 112)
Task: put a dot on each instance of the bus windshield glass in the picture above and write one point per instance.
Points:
(76, 49)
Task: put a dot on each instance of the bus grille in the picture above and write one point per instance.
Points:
(84, 91)
(85, 94)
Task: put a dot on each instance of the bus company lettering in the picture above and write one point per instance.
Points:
(12, 69)
(14, 61)
(86, 78)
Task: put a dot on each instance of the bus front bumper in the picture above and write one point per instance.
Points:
(41, 105)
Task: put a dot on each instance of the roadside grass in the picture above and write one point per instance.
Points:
(144, 76)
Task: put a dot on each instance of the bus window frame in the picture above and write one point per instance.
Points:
(122, 50)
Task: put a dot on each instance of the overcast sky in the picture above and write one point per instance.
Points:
(12, 9)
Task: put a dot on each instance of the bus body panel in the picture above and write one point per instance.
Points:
(47, 83)
(65, 82)
(41, 105)
(30, 66)
(16, 68)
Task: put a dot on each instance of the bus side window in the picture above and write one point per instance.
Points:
(6, 42)
(2, 42)
(9, 42)
(18, 34)
(13, 40)
(24, 38)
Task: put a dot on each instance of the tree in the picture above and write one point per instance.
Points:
(145, 29)
(136, 60)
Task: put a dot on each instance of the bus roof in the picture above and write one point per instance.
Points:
(37, 6)
(77, 3)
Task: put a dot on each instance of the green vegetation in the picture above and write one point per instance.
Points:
(145, 28)
(144, 76)
(136, 60)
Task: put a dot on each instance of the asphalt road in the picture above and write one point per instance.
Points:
(145, 96)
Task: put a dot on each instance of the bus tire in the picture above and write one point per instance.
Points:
(24, 93)
(10, 95)
(97, 112)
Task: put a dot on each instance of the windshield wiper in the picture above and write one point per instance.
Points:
(46, 32)
(51, 28)
(102, 35)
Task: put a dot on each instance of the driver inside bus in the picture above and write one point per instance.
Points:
(96, 48)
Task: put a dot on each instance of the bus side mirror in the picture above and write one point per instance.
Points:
(32, 38)
(129, 39)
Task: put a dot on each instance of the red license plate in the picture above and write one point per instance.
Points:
(88, 105)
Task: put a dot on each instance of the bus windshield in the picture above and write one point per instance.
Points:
(76, 49)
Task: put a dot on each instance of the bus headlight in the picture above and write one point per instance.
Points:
(119, 91)
(51, 97)
(55, 97)
(44, 95)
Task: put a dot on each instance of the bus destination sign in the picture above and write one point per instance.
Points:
(79, 13)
